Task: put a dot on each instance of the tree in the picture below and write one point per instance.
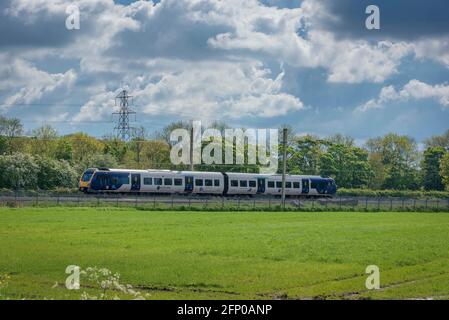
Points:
(19, 171)
(348, 165)
(377, 166)
(399, 156)
(54, 173)
(303, 155)
(444, 170)
(431, 168)
(164, 135)
(439, 141)
(45, 140)
(116, 147)
(137, 141)
(63, 150)
(341, 139)
(84, 146)
(11, 129)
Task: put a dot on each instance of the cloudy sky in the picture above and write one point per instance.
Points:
(311, 64)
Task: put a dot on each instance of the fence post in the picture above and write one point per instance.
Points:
(222, 203)
(135, 203)
(378, 204)
(366, 204)
(172, 201)
(58, 199)
(37, 198)
(313, 203)
(207, 200)
(238, 205)
(78, 200)
(190, 200)
(414, 204)
(269, 203)
(254, 204)
(403, 203)
(391, 204)
(340, 203)
(154, 202)
(426, 203)
(438, 204)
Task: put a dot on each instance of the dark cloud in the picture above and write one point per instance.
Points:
(400, 19)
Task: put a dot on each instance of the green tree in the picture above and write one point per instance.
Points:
(54, 173)
(377, 166)
(399, 156)
(444, 170)
(45, 141)
(303, 155)
(431, 168)
(439, 141)
(116, 147)
(348, 165)
(63, 150)
(18, 171)
(11, 129)
(83, 146)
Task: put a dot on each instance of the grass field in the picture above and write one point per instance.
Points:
(209, 255)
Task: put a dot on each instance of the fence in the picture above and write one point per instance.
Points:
(191, 202)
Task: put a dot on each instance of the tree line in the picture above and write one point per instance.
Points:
(46, 160)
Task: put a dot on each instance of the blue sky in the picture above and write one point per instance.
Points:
(311, 64)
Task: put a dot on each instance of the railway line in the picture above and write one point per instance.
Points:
(220, 202)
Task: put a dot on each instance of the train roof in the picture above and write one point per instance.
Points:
(230, 174)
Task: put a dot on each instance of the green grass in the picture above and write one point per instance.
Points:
(242, 255)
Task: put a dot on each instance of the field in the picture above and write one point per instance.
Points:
(225, 255)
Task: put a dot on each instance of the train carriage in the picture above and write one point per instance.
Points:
(213, 183)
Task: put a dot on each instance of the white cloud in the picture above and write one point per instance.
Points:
(233, 90)
(32, 82)
(413, 90)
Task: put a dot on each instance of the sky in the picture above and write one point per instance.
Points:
(311, 64)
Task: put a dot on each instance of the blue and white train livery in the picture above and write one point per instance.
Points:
(106, 180)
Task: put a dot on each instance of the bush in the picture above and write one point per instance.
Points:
(416, 194)
(23, 171)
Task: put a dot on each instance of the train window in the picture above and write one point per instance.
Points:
(208, 182)
(278, 184)
(178, 182)
(148, 181)
(158, 181)
(243, 183)
(86, 176)
(118, 179)
(270, 184)
(216, 183)
(199, 182)
(296, 185)
(288, 184)
(252, 184)
(313, 185)
(168, 181)
(234, 183)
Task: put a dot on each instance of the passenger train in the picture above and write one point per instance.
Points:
(105, 180)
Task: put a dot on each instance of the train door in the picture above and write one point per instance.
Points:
(305, 186)
(260, 185)
(135, 181)
(188, 184)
